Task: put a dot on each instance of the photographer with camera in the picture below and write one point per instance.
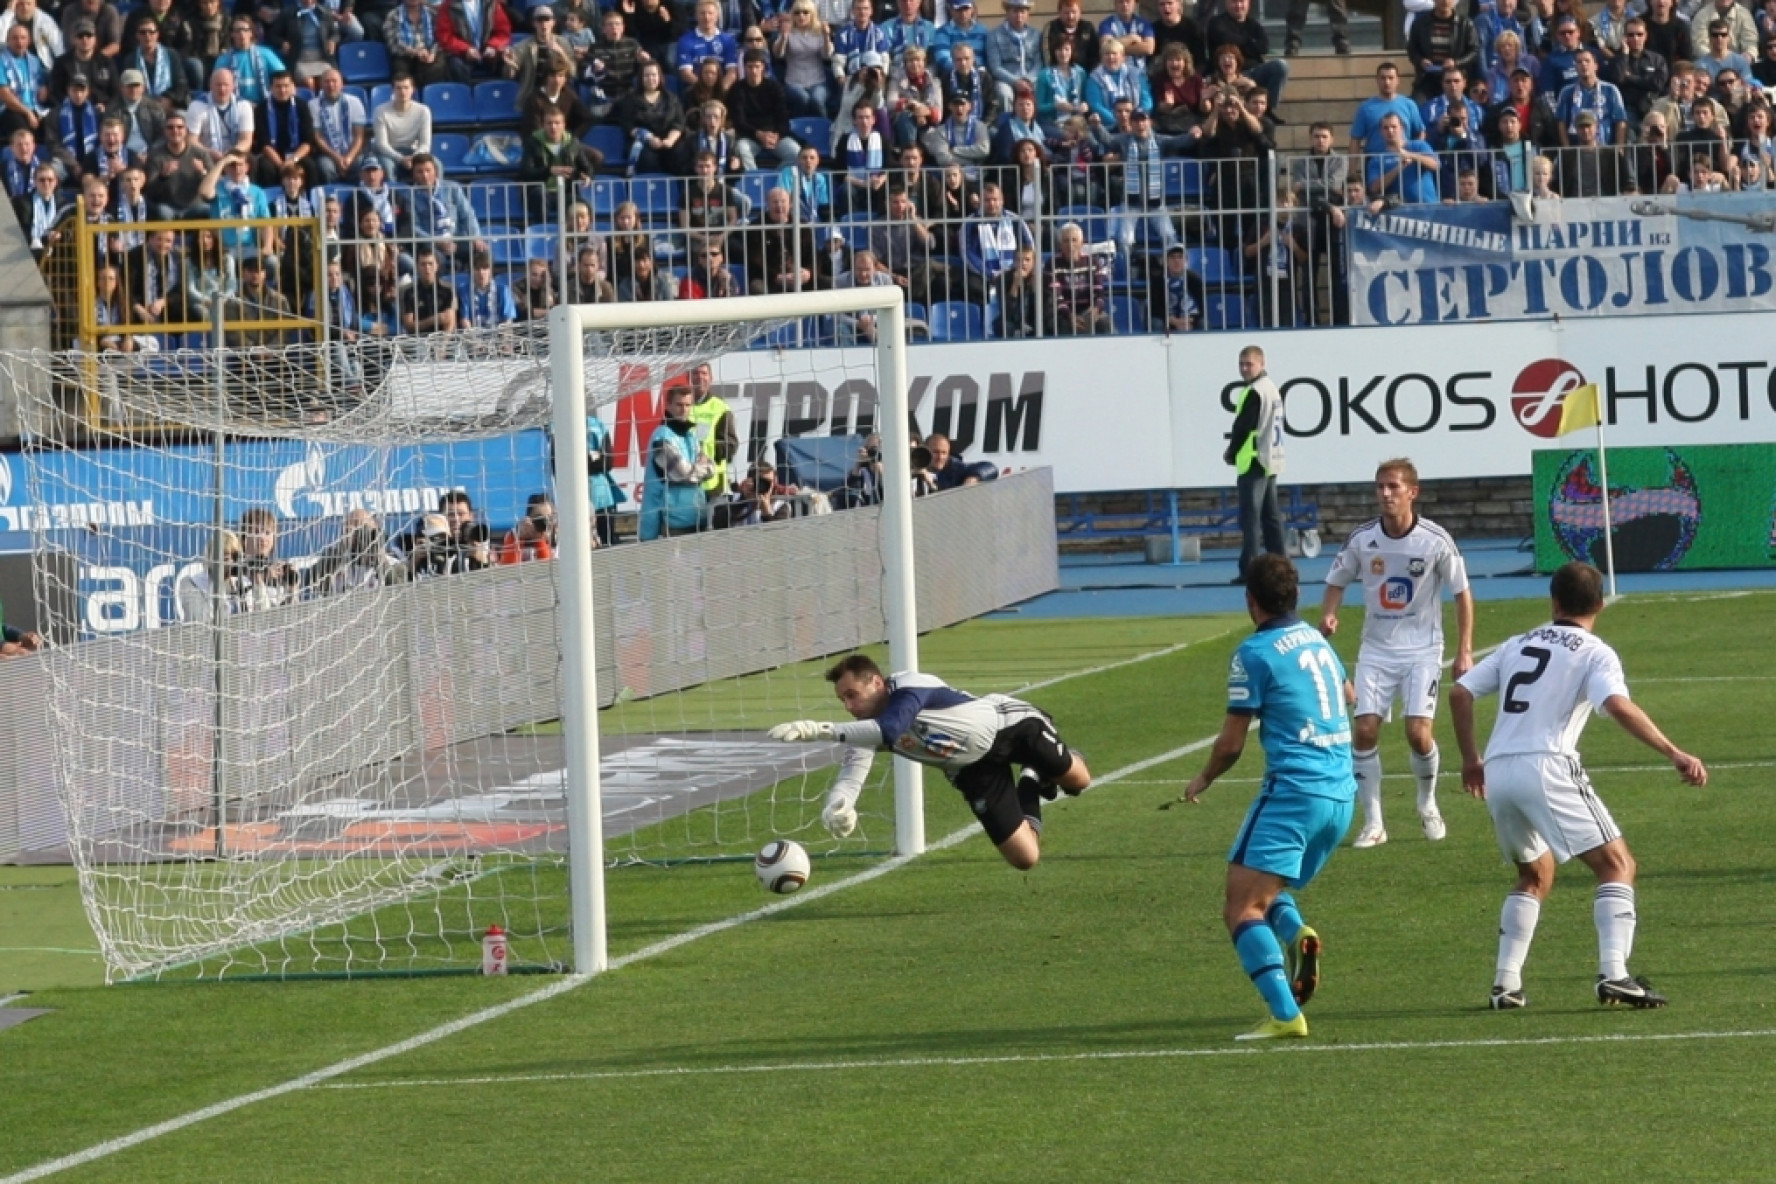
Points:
(946, 468)
(762, 498)
(449, 541)
(863, 484)
(242, 569)
(534, 536)
(358, 558)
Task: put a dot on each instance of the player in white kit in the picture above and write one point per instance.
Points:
(1542, 804)
(1404, 563)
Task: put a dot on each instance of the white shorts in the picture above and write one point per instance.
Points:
(1414, 681)
(1544, 802)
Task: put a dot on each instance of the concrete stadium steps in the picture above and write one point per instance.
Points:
(1329, 87)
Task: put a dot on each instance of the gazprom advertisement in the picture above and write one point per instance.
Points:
(138, 518)
(1599, 257)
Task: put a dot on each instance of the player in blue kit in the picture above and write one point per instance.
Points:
(1288, 677)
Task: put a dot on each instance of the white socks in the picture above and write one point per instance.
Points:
(1424, 771)
(1368, 769)
(1613, 910)
(1517, 927)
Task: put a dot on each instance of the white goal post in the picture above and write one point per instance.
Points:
(569, 326)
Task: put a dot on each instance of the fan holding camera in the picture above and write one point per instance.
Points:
(534, 536)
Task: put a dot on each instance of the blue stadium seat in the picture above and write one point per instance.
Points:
(541, 239)
(452, 104)
(854, 229)
(754, 186)
(509, 249)
(659, 198)
(1226, 310)
(1183, 180)
(1215, 267)
(1129, 315)
(957, 320)
(364, 62)
(496, 104)
(812, 131)
(495, 201)
(605, 195)
(381, 93)
(363, 94)
(1094, 221)
(608, 139)
(451, 152)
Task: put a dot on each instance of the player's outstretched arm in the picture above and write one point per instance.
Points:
(1464, 634)
(1461, 713)
(1223, 756)
(840, 814)
(1640, 725)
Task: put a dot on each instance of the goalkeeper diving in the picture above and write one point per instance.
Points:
(975, 741)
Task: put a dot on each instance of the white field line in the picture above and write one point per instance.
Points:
(1288, 1048)
(1138, 658)
(1447, 775)
(13, 998)
(570, 983)
(44, 950)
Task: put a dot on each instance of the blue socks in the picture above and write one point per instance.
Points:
(1262, 958)
(1285, 919)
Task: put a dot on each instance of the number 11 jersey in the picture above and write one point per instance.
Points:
(1288, 677)
(1548, 681)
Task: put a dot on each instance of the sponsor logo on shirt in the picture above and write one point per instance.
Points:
(1415, 567)
(1396, 594)
(1378, 566)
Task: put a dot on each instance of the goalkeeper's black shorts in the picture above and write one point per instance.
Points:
(989, 784)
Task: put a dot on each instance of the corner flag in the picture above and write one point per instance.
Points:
(1579, 409)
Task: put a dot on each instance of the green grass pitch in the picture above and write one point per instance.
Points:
(956, 1020)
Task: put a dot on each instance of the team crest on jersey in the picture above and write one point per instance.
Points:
(1416, 567)
(934, 743)
(1396, 594)
(1378, 566)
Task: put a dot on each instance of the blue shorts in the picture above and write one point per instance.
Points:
(1291, 834)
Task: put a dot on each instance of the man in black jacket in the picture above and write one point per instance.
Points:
(1439, 39)
(759, 112)
(1238, 27)
(1639, 73)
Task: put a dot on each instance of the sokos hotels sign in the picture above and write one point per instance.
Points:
(1153, 412)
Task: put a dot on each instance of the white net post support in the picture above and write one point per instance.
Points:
(568, 325)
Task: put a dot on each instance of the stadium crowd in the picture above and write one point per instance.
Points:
(1029, 178)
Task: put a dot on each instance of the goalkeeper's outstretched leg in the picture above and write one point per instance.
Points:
(977, 742)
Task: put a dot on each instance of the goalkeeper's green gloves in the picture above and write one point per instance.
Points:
(803, 729)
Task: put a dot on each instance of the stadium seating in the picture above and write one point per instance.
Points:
(364, 62)
(495, 201)
(754, 186)
(1183, 181)
(1129, 315)
(608, 139)
(451, 152)
(812, 131)
(957, 320)
(381, 93)
(1093, 220)
(659, 198)
(452, 104)
(496, 104)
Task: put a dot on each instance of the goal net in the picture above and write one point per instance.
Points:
(311, 705)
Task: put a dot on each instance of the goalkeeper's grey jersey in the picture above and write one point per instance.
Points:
(931, 722)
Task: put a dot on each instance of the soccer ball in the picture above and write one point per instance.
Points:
(783, 866)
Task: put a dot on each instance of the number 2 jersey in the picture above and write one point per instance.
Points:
(1403, 580)
(1288, 677)
(1548, 680)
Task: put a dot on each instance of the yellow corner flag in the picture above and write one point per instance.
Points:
(1579, 409)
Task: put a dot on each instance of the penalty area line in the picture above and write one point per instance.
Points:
(329, 1073)
(1131, 1054)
